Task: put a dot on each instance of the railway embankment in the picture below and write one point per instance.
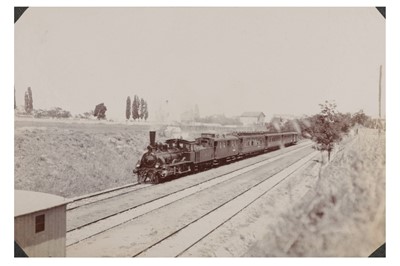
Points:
(74, 159)
(344, 215)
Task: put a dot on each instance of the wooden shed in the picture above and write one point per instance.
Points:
(40, 223)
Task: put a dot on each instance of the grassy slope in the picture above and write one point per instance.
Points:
(344, 215)
(71, 159)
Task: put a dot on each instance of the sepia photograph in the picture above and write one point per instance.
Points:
(197, 132)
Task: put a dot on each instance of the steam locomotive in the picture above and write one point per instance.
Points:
(176, 157)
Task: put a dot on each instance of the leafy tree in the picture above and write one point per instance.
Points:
(135, 107)
(88, 114)
(100, 111)
(128, 108)
(142, 108)
(360, 118)
(85, 115)
(327, 129)
(55, 112)
(345, 122)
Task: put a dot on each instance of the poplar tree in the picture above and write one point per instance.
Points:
(142, 108)
(26, 102)
(30, 102)
(128, 108)
(135, 107)
(146, 111)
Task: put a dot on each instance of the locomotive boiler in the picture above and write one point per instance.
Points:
(162, 160)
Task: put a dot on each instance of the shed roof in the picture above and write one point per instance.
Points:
(252, 114)
(30, 201)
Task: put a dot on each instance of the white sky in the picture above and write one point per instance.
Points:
(227, 60)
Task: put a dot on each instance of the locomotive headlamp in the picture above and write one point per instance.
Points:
(157, 165)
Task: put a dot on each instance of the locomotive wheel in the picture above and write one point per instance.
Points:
(155, 178)
(140, 179)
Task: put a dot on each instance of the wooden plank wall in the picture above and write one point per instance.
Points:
(48, 243)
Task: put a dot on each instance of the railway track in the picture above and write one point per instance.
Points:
(95, 197)
(96, 227)
(181, 240)
(81, 201)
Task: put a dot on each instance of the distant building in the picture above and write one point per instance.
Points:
(40, 223)
(252, 118)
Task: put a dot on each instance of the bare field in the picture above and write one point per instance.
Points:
(72, 159)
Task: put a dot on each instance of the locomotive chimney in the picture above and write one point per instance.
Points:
(152, 138)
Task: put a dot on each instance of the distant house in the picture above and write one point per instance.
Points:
(252, 118)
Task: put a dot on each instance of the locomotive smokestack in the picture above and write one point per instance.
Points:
(152, 138)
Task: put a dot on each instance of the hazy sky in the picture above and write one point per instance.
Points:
(227, 60)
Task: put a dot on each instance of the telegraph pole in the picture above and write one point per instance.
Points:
(380, 89)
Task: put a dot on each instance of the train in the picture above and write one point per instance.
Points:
(176, 157)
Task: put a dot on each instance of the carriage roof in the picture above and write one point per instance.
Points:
(184, 141)
(282, 133)
(219, 137)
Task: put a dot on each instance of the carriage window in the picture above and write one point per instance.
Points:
(229, 143)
